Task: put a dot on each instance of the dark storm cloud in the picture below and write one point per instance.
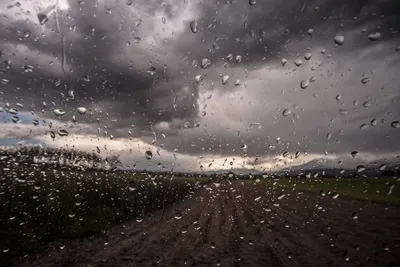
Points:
(102, 51)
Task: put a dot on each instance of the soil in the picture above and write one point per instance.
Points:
(237, 223)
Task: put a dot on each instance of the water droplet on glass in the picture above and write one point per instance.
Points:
(178, 215)
(304, 84)
(360, 168)
(164, 20)
(148, 154)
(283, 61)
(35, 122)
(205, 62)
(335, 195)
(365, 80)
(310, 32)
(237, 82)
(136, 39)
(363, 126)
(339, 39)
(298, 62)
(343, 111)
(307, 56)
(354, 154)
(71, 94)
(395, 124)
(252, 2)
(58, 112)
(286, 112)
(193, 26)
(62, 133)
(43, 18)
(12, 111)
(354, 216)
(374, 36)
(255, 125)
(138, 22)
(81, 110)
(151, 71)
(225, 79)
(238, 58)
(129, 2)
(139, 219)
(198, 78)
(15, 119)
(212, 245)
(312, 79)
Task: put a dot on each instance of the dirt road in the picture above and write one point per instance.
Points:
(238, 224)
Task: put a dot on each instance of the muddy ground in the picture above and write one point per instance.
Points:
(239, 224)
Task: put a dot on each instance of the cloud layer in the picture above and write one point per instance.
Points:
(140, 71)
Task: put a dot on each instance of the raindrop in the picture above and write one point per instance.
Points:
(354, 216)
(198, 78)
(363, 126)
(178, 215)
(193, 26)
(151, 71)
(374, 122)
(63, 133)
(365, 80)
(237, 82)
(212, 245)
(298, 62)
(81, 110)
(335, 195)
(35, 122)
(225, 79)
(243, 147)
(43, 18)
(374, 36)
(281, 196)
(395, 124)
(138, 22)
(354, 154)
(312, 79)
(360, 168)
(238, 58)
(12, 111)
(307, 56)
(304, 84)
(52, 134)
(286, 112)
(15, 119)
(71, 94)
(139, 219)
(148, 154)
(283, 61)
(310, 32)
(343, 111)
(205, 62)
(129, 2)
(252, 2)
(58, 112)
(339, 39)
(255, 125)
(136, 39)
(164, 20)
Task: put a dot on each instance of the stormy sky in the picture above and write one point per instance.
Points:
(205, 85)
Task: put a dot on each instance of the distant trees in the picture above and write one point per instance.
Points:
(59, 157)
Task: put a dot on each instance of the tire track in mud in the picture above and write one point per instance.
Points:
(228, 224)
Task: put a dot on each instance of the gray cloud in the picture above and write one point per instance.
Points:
(107, 68)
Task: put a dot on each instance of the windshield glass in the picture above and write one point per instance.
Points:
(199, 133)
